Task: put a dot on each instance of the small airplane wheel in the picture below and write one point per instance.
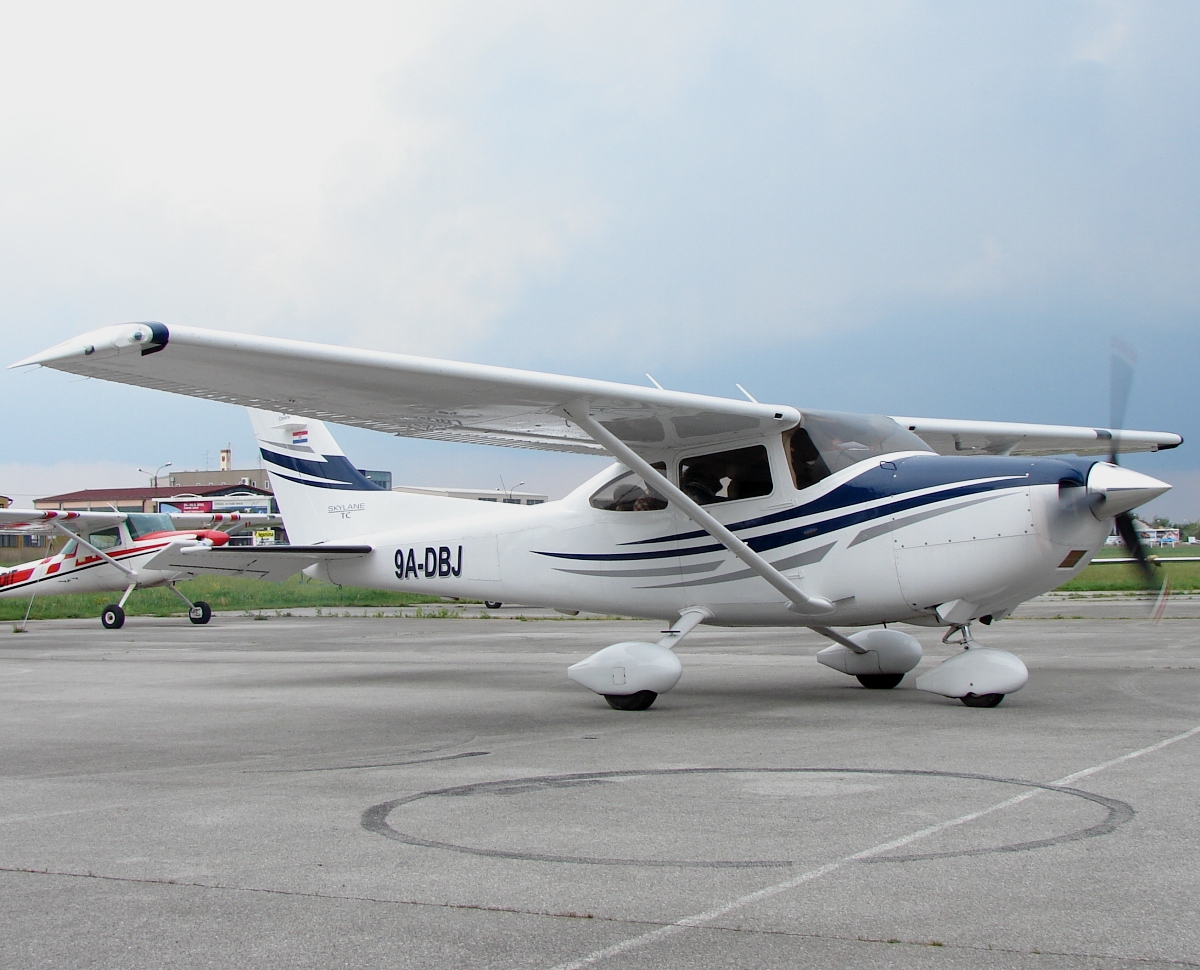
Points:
(113, 617)
(982, 700)
(640, 701)
(200, 613)
(492, 604)
(880, 681)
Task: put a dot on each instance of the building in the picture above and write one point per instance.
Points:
(1151, 536)
(226, 474)
(165, 498)
(382, 479)
(12, 542)
(477, 494)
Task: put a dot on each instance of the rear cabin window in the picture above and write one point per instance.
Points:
(827, 442)
(726, 475)
(629, 493)
(106, 538)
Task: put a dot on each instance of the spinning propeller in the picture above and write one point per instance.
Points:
(1124, 361)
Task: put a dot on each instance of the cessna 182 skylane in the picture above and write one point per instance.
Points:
(718, 511)
(116, 551)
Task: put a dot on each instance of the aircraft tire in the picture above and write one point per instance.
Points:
(112, 617)
(205, 613)
(492, 604)
(982, 700)
(640, 701)
(880, 681)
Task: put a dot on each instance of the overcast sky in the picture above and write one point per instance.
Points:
(938, 209)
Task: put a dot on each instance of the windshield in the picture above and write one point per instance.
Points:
(143, 523)
(828, 441)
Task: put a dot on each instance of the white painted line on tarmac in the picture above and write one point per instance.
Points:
(699, 919)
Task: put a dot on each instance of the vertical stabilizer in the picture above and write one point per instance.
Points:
(322, 496)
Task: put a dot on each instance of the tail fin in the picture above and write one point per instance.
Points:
(322, 496)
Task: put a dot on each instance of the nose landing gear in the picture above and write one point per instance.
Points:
(978, 676)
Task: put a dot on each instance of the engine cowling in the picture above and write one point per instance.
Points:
(628, 668)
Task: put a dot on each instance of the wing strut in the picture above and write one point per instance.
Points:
(802, 603)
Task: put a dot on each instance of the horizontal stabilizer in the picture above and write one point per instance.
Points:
(272, 563)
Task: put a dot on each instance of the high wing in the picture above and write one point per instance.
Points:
(416, 397)
(272, 563)
(225, 521)
(949, 437)
(423, 397)
(43, 521)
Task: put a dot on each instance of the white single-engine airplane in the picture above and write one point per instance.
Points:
(719, 511)
(116, 551)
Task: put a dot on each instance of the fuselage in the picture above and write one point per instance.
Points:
(890, 538)
(78, 569)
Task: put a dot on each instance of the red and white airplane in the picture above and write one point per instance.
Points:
(117, 551)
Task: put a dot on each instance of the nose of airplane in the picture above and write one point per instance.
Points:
(1115, 489)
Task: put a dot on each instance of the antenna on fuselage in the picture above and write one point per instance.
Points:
(750, 397)
(655, 383)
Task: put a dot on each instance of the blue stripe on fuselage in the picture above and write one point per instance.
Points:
(877, 483)
(913, 474)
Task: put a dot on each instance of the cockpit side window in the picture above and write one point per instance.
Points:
(727, 475)
(629, 493)
(106, 539)
(808, 467)
(69, 549)
(827, 441)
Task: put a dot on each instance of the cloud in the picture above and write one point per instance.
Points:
(807, 194)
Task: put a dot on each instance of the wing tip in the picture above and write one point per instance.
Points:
(146, 338)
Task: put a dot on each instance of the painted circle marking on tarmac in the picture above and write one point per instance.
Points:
(377, 818)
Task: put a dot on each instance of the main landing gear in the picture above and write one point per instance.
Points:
(880, 681)
(631, 675)
(112, 617)
(640, 701)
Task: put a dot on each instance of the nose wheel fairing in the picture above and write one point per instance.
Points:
(979, 676)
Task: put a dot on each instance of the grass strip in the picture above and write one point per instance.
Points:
(220, 592)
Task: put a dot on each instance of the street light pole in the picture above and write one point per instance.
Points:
(154, 476)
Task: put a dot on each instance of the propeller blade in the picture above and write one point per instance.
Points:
(1120, 383)
(1160, 604)
(1133, 543)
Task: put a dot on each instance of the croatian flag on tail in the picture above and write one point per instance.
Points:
(300, 437)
